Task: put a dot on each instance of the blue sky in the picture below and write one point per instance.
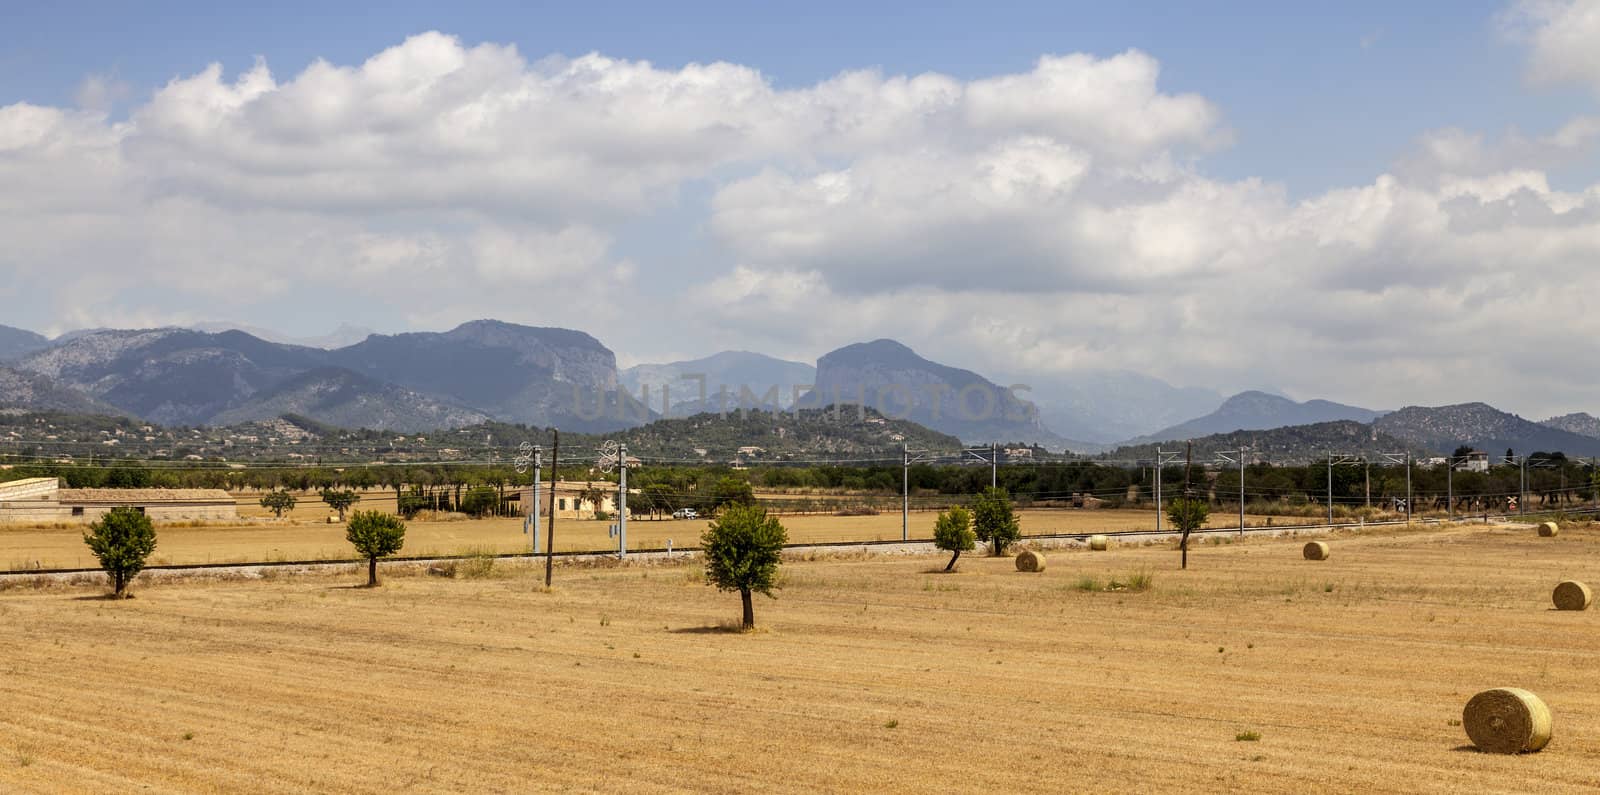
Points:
(1019, 187)
(1317, 95)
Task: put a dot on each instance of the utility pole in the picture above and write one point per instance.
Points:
(994, 465)
(1158, 490)
(1188, 463)
(533, 517)
(1241, 492)
(1366, 472)
(1224, 458)
(550, 536)
(1450, 488)
(907, 458)
(1522, 487)
(1330, 489)
(1408, 488)
(622, 501)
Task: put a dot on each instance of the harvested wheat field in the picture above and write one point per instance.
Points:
(1253, 671)
(61, 546)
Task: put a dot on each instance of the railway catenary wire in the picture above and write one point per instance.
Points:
(611, 553)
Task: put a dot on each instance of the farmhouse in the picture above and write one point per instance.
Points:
(575, 500)
(1473, 461)
(43, 500)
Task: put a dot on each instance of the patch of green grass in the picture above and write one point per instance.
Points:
(188, 735)
(891, 724)
(1087, 583)
(1247, 736)
(1141, 580)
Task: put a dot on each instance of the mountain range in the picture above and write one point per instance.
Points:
(893, 379)
(492, 371)
(1254, 410)
(1481, 426)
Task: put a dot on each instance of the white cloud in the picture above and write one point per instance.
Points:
(1562, 36)
(1042, 221)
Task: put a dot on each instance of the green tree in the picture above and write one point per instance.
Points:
(732, 490)
(278, 502)
(742, 550)
(480, 500)
(994, 521)
(1187, 515)
(121, 540)
(952, 532)
(375, 534)
(340, 500)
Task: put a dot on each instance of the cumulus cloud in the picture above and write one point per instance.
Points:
(1060, 217)
(1561, 35)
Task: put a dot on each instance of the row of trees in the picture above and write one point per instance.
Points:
(742, 549)
(1553, 481)
(124, 538)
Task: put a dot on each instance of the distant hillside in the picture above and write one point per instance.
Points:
(754, 372)
(1444, 428)
(897, 382)
(1287, 445)
(1259, 411)
(20, 391)
(480, 369)
(1578, 422)
(16, 343)
(337, 397)
(543, 376)
(172, 376)
(807, 433)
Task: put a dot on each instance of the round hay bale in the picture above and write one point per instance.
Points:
(1572, 595)
(1316, 550)
(1099, 543)
(1548, 529)
(1507, 720)
(1029, 560)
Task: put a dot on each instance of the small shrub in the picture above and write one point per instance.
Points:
(742, 550)
(994, 521)
(375, 534)
(278, 502)
(1087, 583)
(1247, 737)
(952, 532)
(891, 724)
(1140, 580)
(121, 540)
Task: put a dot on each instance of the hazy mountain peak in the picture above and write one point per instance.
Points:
(16, 343)
(1578, 422)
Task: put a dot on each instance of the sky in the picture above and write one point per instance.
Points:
(1377, 203)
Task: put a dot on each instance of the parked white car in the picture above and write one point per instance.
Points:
(686, 513)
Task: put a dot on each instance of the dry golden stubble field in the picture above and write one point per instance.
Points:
(62, 546)
(869, 674)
